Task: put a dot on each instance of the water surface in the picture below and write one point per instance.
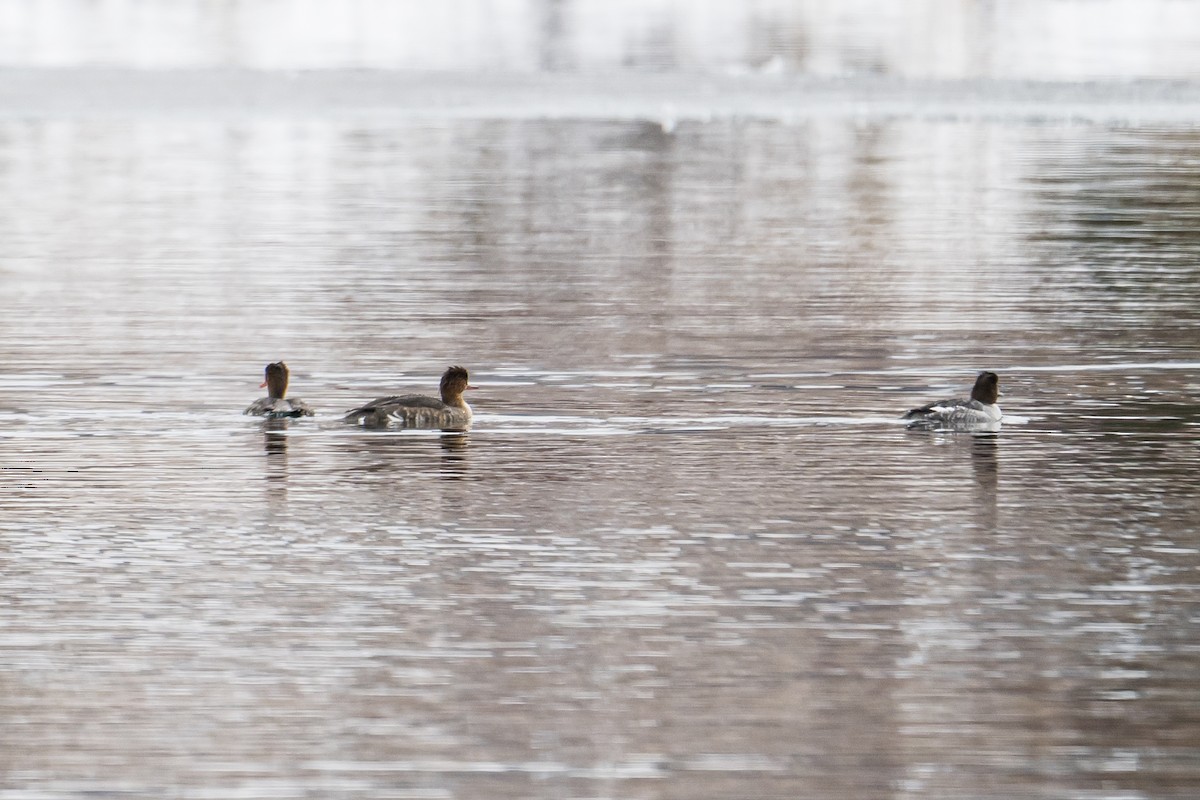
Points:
(687, 549)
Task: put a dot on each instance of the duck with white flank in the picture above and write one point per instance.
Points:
(275, 405)
(450, 413)
(980, 413)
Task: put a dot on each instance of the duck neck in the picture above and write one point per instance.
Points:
(987, 396)
(277, 385)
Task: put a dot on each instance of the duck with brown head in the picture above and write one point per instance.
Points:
(449, 413)
(275, 405)
(980, 413)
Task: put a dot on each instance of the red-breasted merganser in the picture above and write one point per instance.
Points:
(420, 411)
(978, 413)
(275, 405)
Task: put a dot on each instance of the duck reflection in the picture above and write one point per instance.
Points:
(275, 444)
(982, 449)
(986, 471)
(389, 452)
(453, 441)
(274, 438)
(454, 455)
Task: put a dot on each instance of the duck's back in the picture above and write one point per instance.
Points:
(409, 411)
(278, 408)
(953, 414)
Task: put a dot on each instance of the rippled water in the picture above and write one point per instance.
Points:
(687, 550)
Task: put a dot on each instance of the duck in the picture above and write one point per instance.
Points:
(450, 413)
(978, 413)
(275, 405)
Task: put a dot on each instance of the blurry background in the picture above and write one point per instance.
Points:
(955, 39)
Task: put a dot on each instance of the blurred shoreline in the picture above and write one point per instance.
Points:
(668, 98)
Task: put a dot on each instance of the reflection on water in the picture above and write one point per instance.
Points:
(394, 454)
(688, 548)
(275, 437)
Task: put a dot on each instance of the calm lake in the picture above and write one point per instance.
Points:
(698, 263)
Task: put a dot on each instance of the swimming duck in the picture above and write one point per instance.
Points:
(275, 405)
(978, 413)
(451, 412)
